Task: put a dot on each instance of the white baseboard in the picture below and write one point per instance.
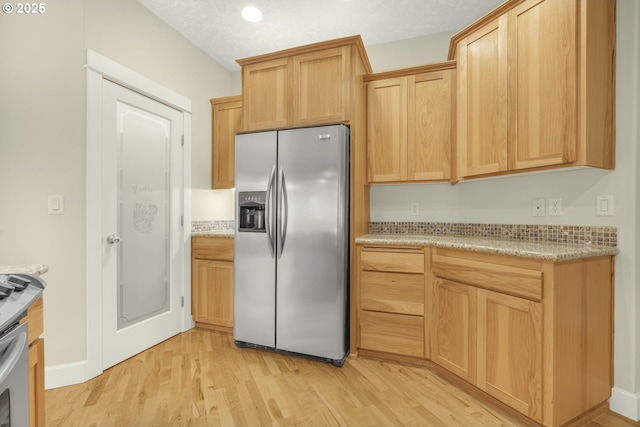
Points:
(625, 403)
(67, 374)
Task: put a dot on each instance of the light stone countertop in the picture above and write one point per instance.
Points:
(36, 269)
(528, 249)
(228, 233)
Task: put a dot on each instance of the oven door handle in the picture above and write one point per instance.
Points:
(17, 346)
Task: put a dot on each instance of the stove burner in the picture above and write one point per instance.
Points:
(17, 292)
(12, 283)
(19, 283)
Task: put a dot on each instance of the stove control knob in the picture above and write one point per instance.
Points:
(112, 238)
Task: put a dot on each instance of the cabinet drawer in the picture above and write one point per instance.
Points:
(400, 261)
(505, 277)
(392, 292)
(217, 248)
(392, 333)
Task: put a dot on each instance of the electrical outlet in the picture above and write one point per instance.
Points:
(415, 209)
(555, 206)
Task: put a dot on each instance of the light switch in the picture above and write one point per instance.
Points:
(56, 205)
(604, 205)
(538, 207)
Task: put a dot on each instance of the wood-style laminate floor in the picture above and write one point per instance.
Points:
(200, 378)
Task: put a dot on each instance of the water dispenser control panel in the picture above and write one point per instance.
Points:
(251, 207)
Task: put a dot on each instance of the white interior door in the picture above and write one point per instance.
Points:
(141, 226)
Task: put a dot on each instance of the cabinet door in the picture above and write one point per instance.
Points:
(482, 100)
(226, 120)
(265, 89)
(212, 288)
(387, 129)
(509, 351)
(429, 125)
(321, 86)
(543, 83)
(453, 328)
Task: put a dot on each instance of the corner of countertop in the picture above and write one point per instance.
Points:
(35, 269)
(214, 228)
(229, 234)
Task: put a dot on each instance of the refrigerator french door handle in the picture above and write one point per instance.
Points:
(268, 212)
(283, 207)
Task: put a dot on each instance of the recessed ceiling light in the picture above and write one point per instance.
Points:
(252, 14)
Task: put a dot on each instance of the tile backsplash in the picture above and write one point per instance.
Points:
(578, 234)
(197, 226)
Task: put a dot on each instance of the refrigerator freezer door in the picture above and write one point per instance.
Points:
(312, 266)
(254, 263)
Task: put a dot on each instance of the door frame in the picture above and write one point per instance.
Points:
(99, 68)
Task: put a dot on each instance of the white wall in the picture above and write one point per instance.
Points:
(42, 111)
(42, 137)
(409, 52)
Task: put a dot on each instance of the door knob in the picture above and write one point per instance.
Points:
(112, 238)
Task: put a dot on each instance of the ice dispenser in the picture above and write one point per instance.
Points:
(251, 205)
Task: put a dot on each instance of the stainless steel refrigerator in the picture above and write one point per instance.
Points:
(291, 263)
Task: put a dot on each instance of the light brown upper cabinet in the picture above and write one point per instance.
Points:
(265, 88)
(536, 87)
(482, 101)
(303, 86)
(226, 121)
(321, 86)
(410, 123)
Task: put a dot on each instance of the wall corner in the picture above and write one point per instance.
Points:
(625, 403)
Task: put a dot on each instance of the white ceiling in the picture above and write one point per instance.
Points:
(217, 27)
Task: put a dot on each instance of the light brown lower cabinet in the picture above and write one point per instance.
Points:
(391, 311)
(36, 364)
(454, 325)
(491, 340)
(36, 384)
(212, 282)
(534, 334)
(510, 351)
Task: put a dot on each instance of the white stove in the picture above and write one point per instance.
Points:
(17, 293)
